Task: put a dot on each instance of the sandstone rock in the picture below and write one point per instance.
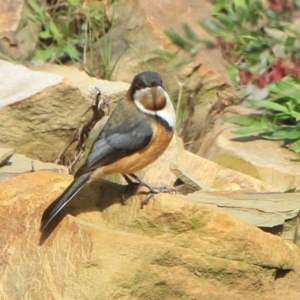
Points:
(140, 26)
(19, 164)
(18, 83)
(5, 153)
(47, 110)
(277, 213)
(263, 159)
(81, 80)
(172, 249)
(18, 30)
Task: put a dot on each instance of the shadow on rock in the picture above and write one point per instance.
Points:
(243, 139)
(98, 195)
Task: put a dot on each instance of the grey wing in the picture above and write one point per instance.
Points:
(117, 142)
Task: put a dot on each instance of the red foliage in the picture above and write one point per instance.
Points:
(278, 70)
(278, 5)
(245, 76)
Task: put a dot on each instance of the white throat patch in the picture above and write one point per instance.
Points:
(167, 113)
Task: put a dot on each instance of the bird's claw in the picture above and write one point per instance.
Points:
(150, 194)
(146, 200)
(156, 191)
(123, 199)
(162, 189)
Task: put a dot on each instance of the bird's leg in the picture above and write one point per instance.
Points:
(152, 190)
(130, 184)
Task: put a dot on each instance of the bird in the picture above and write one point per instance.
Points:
(137, 132)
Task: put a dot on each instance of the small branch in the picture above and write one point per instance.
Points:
(100, 101)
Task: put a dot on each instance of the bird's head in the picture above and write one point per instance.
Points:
(149, 95)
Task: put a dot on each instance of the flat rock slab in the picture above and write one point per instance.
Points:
(274, 212)
(21, 164)
(263, 159)
(5, 153)
(18, 164)
(19, 83)
(81, 80)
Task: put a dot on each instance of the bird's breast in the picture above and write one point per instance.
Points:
(142, 158)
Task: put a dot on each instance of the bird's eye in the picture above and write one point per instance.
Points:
(139, 85)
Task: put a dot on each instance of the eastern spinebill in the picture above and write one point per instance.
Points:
(137, 132)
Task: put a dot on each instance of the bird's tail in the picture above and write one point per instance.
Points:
(56, 206)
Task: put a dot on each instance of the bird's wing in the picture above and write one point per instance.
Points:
(116, 142)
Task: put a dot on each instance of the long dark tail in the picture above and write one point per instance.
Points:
(56, 206)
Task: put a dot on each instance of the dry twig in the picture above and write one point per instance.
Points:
(100, 101)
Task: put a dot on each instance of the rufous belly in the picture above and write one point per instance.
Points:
(139, 159)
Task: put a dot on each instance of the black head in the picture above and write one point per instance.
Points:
(145, 79)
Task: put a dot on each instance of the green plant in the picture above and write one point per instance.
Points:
(281, 120)
(261, 42)
(69, 30)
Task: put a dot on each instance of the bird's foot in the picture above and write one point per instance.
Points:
(155, 190)
(130, 184)
(152, 190)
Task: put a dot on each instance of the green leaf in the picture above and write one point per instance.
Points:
(213, 27)
(270, 14)
(190, 33)
(281, 134)
(45, 35)
(219, 5)
(253, 45)
(178, 40)
(54, 31)
(241, 3)
(72, 52)
(242, 120)
(233, 74)
(269, 105)
(248, 130)
(35, 6)
(290, 41)
(65, 28)
(38, 11)
(295, 146)
(182, 63)
(228, 22)
(287, 87)
(272, 87)
(42, 54)
(293, 135)
(248, 37)
(165, 54)
(58, 52)
(74, 3)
